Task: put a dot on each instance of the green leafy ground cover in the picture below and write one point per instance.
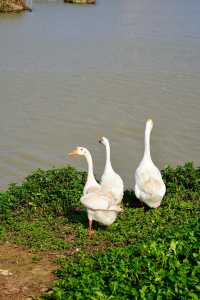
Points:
(145, 254)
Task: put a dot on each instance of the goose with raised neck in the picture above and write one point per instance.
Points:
(100, 205)
(149, 186)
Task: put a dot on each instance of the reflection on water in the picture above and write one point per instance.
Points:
(70, 74)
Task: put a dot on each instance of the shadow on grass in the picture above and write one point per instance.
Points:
(77, 216)
(130, 200)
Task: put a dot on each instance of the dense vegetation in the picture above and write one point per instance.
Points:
(145, 254)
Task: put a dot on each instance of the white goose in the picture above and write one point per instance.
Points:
(149, 186)
(100, 205)
(110, 180)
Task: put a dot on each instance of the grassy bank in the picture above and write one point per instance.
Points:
(145, 254)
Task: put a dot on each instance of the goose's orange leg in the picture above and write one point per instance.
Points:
(90, 231)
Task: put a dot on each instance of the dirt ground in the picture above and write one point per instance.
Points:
(24, 275)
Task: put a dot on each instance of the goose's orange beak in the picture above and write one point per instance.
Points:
(73, 152)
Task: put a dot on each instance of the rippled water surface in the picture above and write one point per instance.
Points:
(69, 74)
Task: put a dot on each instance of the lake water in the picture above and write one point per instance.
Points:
(70, 74)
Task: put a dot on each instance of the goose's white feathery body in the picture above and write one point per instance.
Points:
(110, 180)
(149, 185)
(101, 207)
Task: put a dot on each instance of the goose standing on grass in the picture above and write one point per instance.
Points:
(110, 180)
(100, 205)
(149, 186)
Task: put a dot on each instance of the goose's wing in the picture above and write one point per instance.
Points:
(95, 201)
(93, 189)
(153, 186)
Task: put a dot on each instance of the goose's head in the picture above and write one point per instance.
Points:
(78, 151)
(149, 124)
(103, 140)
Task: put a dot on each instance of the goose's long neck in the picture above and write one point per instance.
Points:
(90, 176)
(108, 165)
(147, 153)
